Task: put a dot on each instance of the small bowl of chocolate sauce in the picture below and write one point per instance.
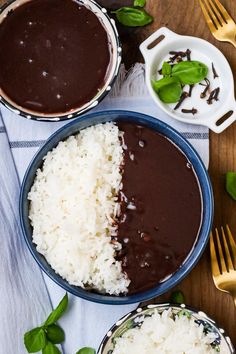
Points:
(58, 58)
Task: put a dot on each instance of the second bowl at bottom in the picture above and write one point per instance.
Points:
(158, 323)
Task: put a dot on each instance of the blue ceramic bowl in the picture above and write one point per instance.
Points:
(177, 139)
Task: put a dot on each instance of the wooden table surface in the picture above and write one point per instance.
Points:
(185, 17)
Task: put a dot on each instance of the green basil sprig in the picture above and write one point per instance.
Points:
(170, 87)
(46, 336)
(35, 340)
(55, 334)
(132, 17)
(50, 348)
(139, 3)
(166, 69)
(86, 350)
(56, 314)
(190, 72)
(231, 184)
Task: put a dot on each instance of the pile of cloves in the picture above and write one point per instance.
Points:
(214, 94)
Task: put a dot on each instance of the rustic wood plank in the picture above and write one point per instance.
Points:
(185, 17)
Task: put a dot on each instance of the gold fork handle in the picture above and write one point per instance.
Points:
(233, 41)
(234, 297)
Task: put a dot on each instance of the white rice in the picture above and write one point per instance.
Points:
(73, 205)
(163, 334)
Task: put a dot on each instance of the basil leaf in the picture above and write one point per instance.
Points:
(132, 17)
(184, 313)
(86, 350)
(35, 340)
(50, 348)
(166, 69)
(55, 334)
(168, 89)
(177, 297)
(231, 184)
(58, 312)
(140, 3)
(190, 72)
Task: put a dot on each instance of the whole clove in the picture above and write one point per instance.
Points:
(188, 54)
(176, 56)
(206, 89)
(214, 71)
(190, 90)
(179, 53)
(192, 111)
(214, 95)
(173, 58)
(181, 100)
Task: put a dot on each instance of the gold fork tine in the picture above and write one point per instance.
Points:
(210, 24)
(221, 256)
(217, 12)
(220, 23)
(214, 262)
(231, 241)
(224, 12)
(212, 14)
(227, 252)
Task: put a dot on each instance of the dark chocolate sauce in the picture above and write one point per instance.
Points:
(161, 217)
(54, 55)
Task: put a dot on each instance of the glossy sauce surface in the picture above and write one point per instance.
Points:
(54, 55)
(161, 216)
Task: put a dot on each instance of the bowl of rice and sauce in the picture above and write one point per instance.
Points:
(116, 207)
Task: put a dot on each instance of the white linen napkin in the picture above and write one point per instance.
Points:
(85, 323)
(24, 301)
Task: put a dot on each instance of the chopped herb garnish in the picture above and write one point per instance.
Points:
(184, 313)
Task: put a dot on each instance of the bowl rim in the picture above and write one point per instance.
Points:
(164, 306)
(57, 117)
(205, 187)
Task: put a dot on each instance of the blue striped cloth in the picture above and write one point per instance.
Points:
(26, 294)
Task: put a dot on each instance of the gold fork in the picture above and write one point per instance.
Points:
(221, 24)
(223, 257)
